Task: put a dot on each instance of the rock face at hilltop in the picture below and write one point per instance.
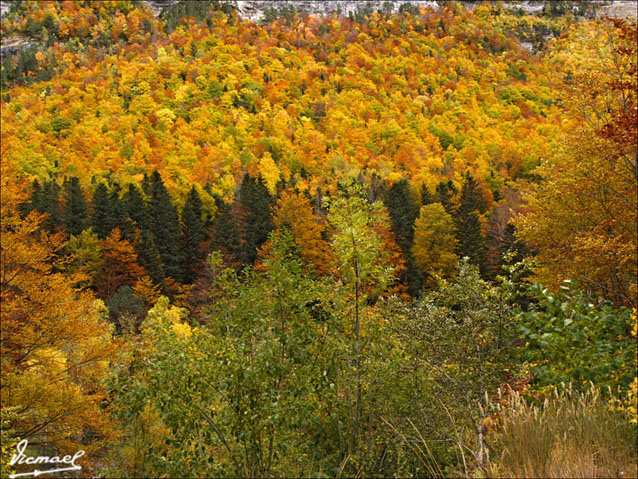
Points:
(255, 10)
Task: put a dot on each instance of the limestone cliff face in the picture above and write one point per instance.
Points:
(255, 9)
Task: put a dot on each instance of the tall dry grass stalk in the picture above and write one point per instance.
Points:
(571, 434)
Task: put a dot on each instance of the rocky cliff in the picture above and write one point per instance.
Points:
(255, 9)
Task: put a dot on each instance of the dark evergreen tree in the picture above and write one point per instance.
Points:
(471, 196)
(146, 185)
(192, 236)
(74, 209)
(116, 208)
(426, 197)
(445, 192)
(471, 242)
(164, 224)
(403, 213)
(256, 217)
(135, 211)
(35, 199)
(148, 256)
(44, 199)
(101, 220)
(225, 232)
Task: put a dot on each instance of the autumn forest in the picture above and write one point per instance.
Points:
(395, 242)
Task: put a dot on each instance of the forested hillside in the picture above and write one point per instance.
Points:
(381, 244)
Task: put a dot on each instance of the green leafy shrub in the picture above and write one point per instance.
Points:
(572, 338)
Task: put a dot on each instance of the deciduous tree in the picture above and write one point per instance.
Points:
(56, 343)
(434, 243)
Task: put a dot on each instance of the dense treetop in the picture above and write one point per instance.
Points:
(425, 95)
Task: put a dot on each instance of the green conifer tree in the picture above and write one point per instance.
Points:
(148, 256)
(117, 211)
(445, 192)
(403, 212)
(426, 196)
(74, 209)
(49, 202)
(256, 216)
(34, 199)
(101, 220)
(135, 210)
(164, 224)
(226, 236)
(470, 239)
(192, 235)
(44, 199)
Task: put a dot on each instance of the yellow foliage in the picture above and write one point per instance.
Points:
(269, 172)
(434, 243)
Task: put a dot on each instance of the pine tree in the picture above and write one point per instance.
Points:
(148, 256)
(471, 196)
(146, 185)
(426, 197)
(116, 207)
(445, 192)
(134, 209)
(44, 199)
(470, 239)
(48, 201)
(226, 236)
(403, 212)
(101, 220)
(137, 230)
(164, 224)
(256, 216)
(74, 209)
(34, 201)
(192, 235)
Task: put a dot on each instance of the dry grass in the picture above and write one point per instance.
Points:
(571, 434)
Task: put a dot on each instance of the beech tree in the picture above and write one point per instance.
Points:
(582, 218)
(120, 266)
(294, 210)
(86, 255)
(56, 342)
(434, 243)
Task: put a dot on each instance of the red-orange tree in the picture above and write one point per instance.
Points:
(56, 342)
(582, 217)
